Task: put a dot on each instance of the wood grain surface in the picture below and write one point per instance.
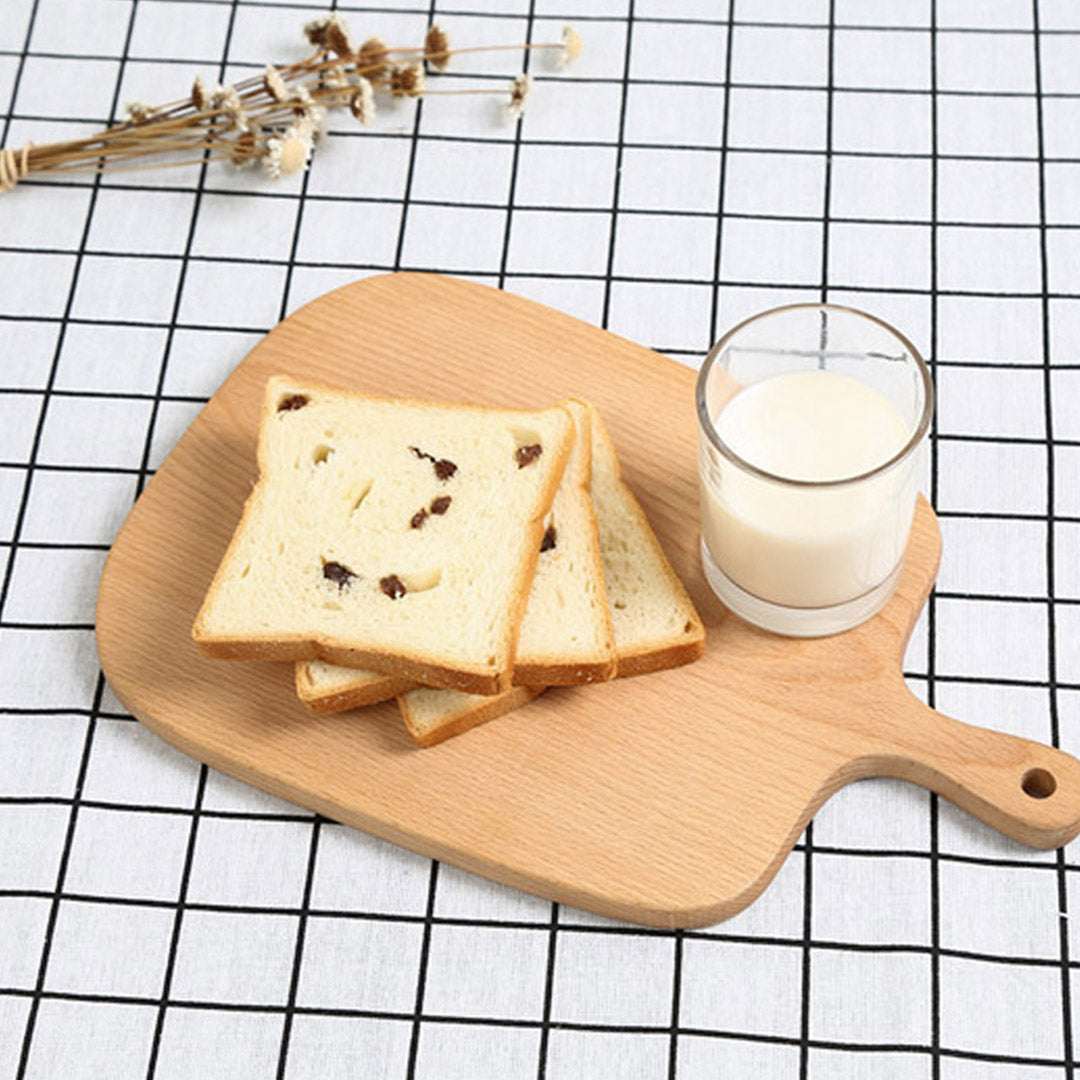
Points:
(670, 799)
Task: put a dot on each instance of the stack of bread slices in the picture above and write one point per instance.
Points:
(459, 558)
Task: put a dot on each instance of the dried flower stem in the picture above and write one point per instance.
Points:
(529, 46)
(273, 117)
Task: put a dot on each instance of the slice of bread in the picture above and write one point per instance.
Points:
(655, 622)
(324, 687)
(433, 716)
(566, 636)
(395, 535)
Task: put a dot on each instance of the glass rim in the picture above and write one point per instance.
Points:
(706, 424)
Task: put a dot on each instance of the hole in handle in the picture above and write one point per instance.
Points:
(1038, 783)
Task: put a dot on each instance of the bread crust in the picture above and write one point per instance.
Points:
(562, 673)
(416, 668)
(675, 655)
(301, 647)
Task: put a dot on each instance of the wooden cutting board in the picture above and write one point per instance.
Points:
(670, 799)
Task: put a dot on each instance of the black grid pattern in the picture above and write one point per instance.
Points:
(705, 160)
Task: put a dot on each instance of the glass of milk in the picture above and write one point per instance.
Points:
(812, 424)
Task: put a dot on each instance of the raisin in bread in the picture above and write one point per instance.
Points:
(566, 636)
(656, 625)
(395, 535)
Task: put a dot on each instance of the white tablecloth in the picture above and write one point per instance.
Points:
(919, 159)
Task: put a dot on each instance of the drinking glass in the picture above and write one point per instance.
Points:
(812, 422)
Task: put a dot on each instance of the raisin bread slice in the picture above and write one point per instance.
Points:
(328, 688)
(395, 535)
(433, 716)
(656, 625)
(566, 636)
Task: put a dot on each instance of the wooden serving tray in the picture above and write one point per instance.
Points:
(670, 799)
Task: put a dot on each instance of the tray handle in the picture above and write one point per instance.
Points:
(1025, 789)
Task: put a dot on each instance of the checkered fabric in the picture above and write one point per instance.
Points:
(702, 161)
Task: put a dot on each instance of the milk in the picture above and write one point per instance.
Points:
(808, 547)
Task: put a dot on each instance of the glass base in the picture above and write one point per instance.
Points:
(797, 622)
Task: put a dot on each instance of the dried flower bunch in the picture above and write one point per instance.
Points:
(273, 119)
